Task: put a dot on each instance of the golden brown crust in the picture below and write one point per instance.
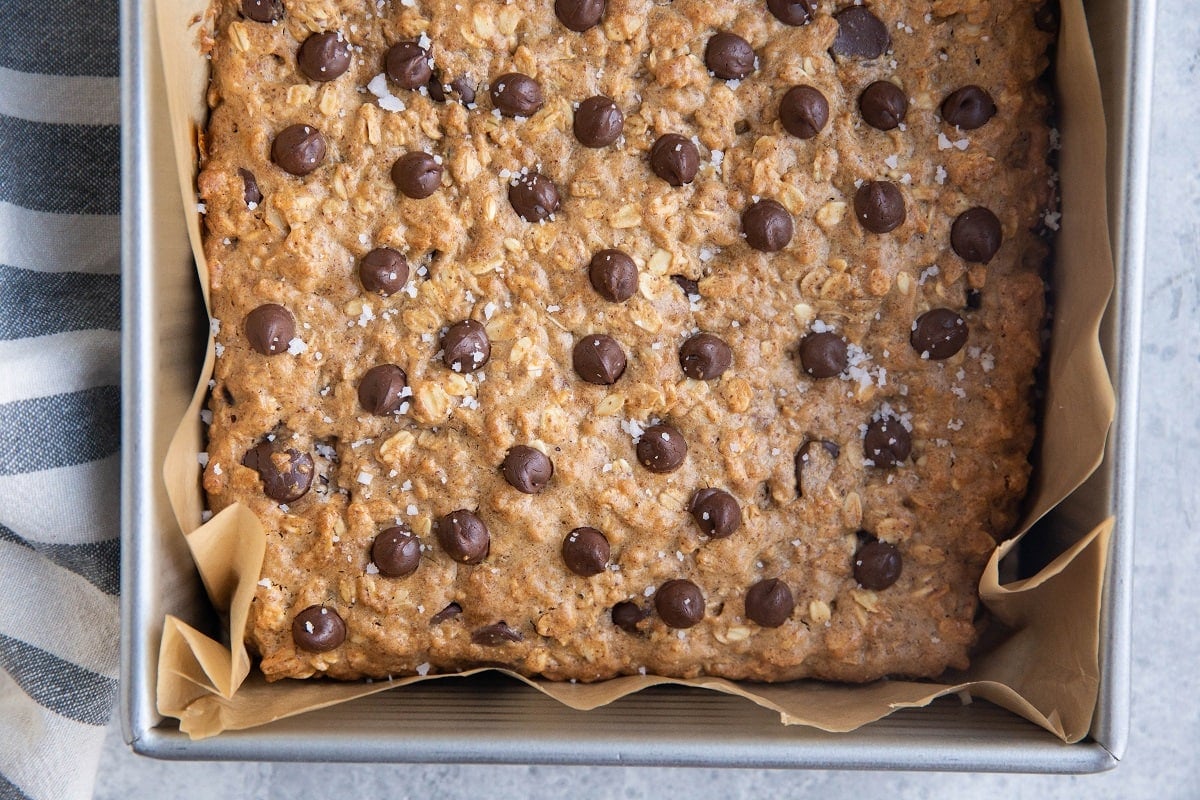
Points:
(473, 257)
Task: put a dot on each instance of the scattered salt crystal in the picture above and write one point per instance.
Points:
(216, 469)
(411, 510)
(364, 478)
(202, 208)
(214, 326)
(892, 161)
(422, 669)
(205, 515)
(296, 346)
(372, 569)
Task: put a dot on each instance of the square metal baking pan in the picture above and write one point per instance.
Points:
(494, 720)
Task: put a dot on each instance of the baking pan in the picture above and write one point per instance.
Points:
(496, 720)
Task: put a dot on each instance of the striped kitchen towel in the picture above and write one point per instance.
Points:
(59, 396)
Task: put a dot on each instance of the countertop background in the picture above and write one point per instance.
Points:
(1163, 760)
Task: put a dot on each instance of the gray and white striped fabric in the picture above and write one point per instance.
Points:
(59, 398)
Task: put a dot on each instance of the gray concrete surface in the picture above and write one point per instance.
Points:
(1164, 756)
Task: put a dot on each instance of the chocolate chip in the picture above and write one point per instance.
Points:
(465, 88)
(729, 56)
(974, 299)
(417, 175)
(675, 159)
(449, 612)
(883, 105)
(860, 34)
(767, 226)
(527, 469)
(407, 63)
(804, 111)
(690, 287)
(381, 390)
(262, 10)
(704, 357)
(396, 552)
(270, 328)
(661, 448)
(250, 191)
(435, 87)
(598, 359)
(1046, 16)
(516, 95)
(879, 205)
(318, 629)
(626, 615)
(324, 56)
(613, 274)
(809, 451)
(464, 537)
(976, 235)
(598, 122)
(938, 334)
(585, 551)
(579, 15)
(792, 12)
(770, 603)
(877, 565)
(298, 149)
(679, 603)
(716, 512)
(968, 108)
(823, 355)
(887, 442)
(534, 197)
(383, 271)
(286, 473)
(465, 346)
(496, 634)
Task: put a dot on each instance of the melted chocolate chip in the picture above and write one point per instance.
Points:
(449, 612)
(383, 271)
(407, 64)
(877, 565)
(974, 299)
(938, 334)
(705, 357)
(804, 111)
(262, 10)
(809, 451)
(516, 95)
(729, 56)
(270, 328)
(381, 390)
(968, 108)
(598, 122)
(792, 12)
(860, 34)
(716, 512)
(887, 442)
(298, 149)
(286, 473)
(527, 469)
(598, 359)
(579, 15)
(661, 448)
(675, 159)
(464, 537)
(417, 175)
(613, 274)
(318, 629)
(465, 88)
(879, 205)
(534, 197)
(690, 287)
(823, 355)
(976, 235)
(465, 346)
(767, 226)
(770, 603)
(323, 56)
(496, 634)
(626, 615)
(883, 105)
(396, 552)
(250, 191)
(679, 603)
(585, 552)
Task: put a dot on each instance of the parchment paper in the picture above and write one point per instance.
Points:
(1046, 670)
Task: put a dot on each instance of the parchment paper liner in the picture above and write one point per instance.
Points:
(1046, 670)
